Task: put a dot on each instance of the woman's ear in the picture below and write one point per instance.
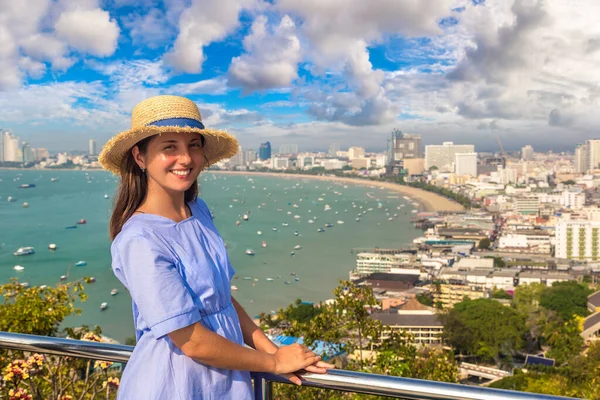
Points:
(138, 158)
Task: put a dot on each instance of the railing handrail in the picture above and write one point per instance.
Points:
(349, 381)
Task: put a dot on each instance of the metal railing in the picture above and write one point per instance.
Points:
(348, 381)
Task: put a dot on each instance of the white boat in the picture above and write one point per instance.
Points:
(105, 196)
(63, 277)
(245, 217)
(250, 252)
(114, 292)
(80, 263)
(247, 278)
(25, 204)
(234, 288)
(296, 233)
(274, 229)
(296, 217)
(340, 222)
(24, 251)
(327, 207)
(11, 199)
(259, 233)
(103, 306)
(264, 244)
(357, 219)
(310, 221)
(52, 246)
(43, 287)
(53, 179)
(18, 268)
(414, 211)
(285, 224)
(269, 279)
(25, 284)
(297, 247)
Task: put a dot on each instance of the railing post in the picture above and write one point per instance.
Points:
(263, 388)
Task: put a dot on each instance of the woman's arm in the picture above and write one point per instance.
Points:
(253, 335)
(207, 347)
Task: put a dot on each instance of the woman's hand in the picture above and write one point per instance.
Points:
(320, 367)
(293, 358)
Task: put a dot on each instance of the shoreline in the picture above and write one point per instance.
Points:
(432, 202)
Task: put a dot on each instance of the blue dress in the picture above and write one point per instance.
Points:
(177, 274)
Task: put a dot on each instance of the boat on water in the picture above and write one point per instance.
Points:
(11, 199)
(80, 263)
(53, 179)
(26, 186)
(269, 279)
(105, 196)
(103, 306)
(238, 223)
(71, 227)
(285, 224)
(328, 225)
(263, 244)
(259, 233)
(91, 279)
(250, 252)
(297, 247)
(292, 253)
(234, 288)
(81, 221)
(340, 222)
(25, 284)
(327, 207)
(287, 282)
(25, 204)
(24, 251)
(52, 246)
(63, 277)
(297, 279)
(43, 287)
(310, 221)
(274, 229)
(357, 219)
(320, 230)
(18, 268)
(247, 278)
(296, 233)
(245, 217)
(114, 292)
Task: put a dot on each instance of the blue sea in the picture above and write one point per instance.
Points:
(270, 202)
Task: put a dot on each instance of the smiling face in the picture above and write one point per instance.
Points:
(172, 161)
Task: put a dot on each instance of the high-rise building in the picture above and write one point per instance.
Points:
(28, 154)
(405, 146)
(355, 152)
(581, 161)
(288, 149)
(333, 149)
(578, 240)
(593, 153)
(249, 156)
(527, 153)
(41, 154)
(1, 145)
(465, 164)
(93, 150)
(443, 156)
(264, 152)
(12, 151)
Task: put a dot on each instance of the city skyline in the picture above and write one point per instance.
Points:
(459, 70)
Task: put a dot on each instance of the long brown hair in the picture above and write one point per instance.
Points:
(133, 189)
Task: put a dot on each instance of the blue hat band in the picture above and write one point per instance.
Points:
(178, 122)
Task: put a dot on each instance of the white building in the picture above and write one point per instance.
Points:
(280, 162)
(93, 147)
(333, 164)
(443, 156)
(578, 240)
(593, 153)
(305, 161)
(527, 153)
(581, 162)
(465, 164)
(573, 200)
(288, 149)
(356, 152)
(507, 175)
(369, 263)
(12, 150)
(62, 159)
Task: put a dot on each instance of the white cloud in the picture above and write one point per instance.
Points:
(151, 29)
(35, 69)
(204, 22)
(89, 31)
(271, 60)
(214, 86)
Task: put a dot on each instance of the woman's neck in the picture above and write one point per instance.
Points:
(169, 205)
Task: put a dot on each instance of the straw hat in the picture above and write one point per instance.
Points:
(160, 114)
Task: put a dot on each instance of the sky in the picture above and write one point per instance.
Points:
(310, 72)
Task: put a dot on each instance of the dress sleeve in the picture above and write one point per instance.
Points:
(162, 296)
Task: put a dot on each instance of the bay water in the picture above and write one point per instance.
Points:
(61, 198)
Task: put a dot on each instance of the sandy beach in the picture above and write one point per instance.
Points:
(430, 201)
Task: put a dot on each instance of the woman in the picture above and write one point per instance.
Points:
(166, 250)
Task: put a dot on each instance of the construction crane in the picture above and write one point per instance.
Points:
(502, 153)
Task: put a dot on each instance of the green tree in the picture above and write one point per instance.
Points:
(41, 311)
(568, 299)
(501, 294)
(484, 328)
(484, 244)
